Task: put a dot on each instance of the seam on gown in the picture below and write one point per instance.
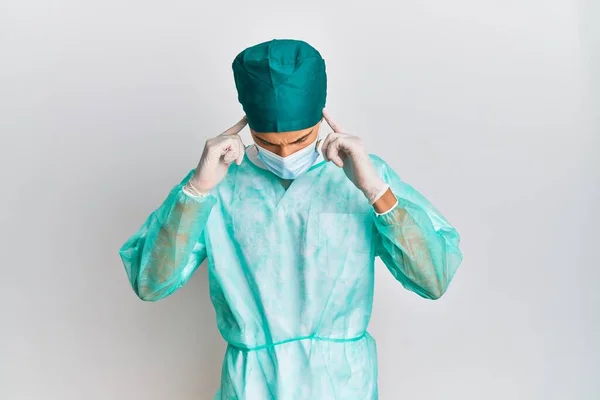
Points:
(244, 347)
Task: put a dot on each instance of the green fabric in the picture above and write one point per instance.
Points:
(291, 273)
(281, 84)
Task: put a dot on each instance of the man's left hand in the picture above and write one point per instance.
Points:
(348, 152)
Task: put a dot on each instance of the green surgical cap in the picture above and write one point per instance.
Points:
(281, 84)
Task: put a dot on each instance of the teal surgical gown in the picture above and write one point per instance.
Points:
(291, 273)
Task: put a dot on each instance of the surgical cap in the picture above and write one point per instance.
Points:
(281, 85)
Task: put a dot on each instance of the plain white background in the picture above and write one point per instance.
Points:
(489, 108)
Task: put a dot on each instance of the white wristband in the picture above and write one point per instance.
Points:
(191, 190)
(388, 211)
(378, 195)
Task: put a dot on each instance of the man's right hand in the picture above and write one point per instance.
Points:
(218, 154)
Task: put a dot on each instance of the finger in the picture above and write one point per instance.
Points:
(325, 145)
(237, 151)
(230, 156)
(237, 128)
(241, 151)
(334, 125)
(333, 152)
(229, 149)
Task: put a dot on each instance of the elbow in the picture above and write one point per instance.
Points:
(152, 291)
(435, 292)
(144, 293)
(145, 296)
(438, 287)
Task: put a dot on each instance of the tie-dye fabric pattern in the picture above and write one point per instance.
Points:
(291, 273)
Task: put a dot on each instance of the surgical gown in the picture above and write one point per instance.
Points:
(291, 273)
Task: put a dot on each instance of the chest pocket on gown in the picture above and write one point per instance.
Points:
(346, 232)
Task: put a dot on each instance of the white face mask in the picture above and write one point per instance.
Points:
(292, 166)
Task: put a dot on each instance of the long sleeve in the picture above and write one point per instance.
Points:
(416, 243)
(163, 254)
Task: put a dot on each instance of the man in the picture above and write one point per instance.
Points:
(291, 227)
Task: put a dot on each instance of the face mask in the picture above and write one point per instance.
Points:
(292, 166)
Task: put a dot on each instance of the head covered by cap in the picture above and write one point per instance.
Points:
(281, 84)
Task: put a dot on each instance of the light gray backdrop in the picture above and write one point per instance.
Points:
(487, 107)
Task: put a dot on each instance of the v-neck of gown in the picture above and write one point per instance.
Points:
(286, 189)
(286, 183)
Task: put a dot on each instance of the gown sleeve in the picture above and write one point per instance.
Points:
(165, 251)
(416, 243)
